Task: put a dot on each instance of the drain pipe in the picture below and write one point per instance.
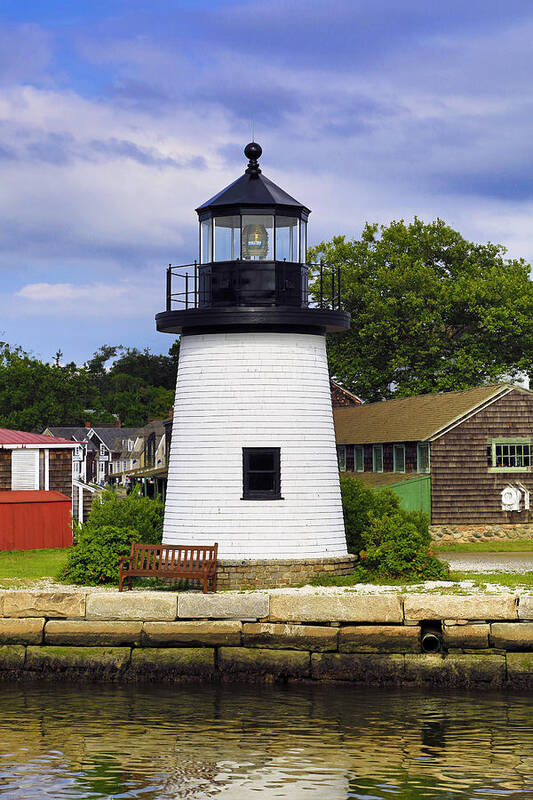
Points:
(431, 641)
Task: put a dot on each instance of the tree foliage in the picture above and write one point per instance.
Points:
(430, 311)
(34, 394)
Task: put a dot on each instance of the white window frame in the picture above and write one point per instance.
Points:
(401, 449)
(419, 446)
(341, 457)
(377, 448)
(358, 448)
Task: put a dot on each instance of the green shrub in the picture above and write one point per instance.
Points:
(360, 504)
(95, 558)
(112, 525)
(397, 545)
(392, 542)
(133, 511)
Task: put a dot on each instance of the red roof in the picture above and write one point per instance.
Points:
(32, 496)
(8, 436)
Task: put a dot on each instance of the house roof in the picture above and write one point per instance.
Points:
(33, 496)
(378, 480)
(109, 435)
(413, 419)
(76, 433)
(338, 392)
(8, 436)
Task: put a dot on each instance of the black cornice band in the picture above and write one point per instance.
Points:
(287, 319)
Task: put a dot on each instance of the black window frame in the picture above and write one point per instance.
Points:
(255, 494)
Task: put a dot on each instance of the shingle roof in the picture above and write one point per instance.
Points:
(411, 419)
(378, 480)
(109, 435)
(77, 433)
(8, 436)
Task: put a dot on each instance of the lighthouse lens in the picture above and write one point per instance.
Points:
(257, 237)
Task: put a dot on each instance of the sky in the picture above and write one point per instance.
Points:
(119, 117)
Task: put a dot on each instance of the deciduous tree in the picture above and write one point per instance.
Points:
(430, 311)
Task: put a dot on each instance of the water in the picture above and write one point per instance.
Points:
(229, 741)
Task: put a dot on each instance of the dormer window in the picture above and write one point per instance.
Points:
(103, 450)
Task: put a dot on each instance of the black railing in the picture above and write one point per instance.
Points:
(253, 283)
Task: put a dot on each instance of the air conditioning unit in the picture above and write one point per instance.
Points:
(511, 497)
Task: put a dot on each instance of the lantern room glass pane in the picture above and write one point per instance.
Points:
(286, 239)
(206, 241)
(227, 238)
(303, 241)
(258, 237)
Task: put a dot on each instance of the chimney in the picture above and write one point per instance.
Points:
(88, 425)
(117, 423)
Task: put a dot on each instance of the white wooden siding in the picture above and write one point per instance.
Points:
(25, 469)
(238, 390)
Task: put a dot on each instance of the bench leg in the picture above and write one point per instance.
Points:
(130, 583)
(120, 581)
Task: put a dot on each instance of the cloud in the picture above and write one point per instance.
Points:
(92, 300)
(114, 126)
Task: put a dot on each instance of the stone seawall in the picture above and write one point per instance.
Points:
(337, 635)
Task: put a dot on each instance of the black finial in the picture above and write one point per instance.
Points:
(253, 152)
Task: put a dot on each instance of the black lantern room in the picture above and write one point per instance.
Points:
(252, 269)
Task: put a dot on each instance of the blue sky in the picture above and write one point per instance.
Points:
(118, 118)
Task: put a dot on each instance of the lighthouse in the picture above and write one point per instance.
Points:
(253, 463)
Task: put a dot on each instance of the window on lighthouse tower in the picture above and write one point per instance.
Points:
(261, 473)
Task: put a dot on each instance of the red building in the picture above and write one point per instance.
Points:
(35, 491)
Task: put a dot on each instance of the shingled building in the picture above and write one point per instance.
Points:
(471, 449)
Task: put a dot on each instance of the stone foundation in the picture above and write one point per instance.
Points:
(283, 635)
(447, 534)
(278, 573)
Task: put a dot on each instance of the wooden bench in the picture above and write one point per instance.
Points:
(195, 562)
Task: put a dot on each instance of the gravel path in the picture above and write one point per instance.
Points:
(489, 562)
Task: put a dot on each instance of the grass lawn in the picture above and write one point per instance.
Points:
(506, 546)
(479, 580)
(28, 565)
(509, 579)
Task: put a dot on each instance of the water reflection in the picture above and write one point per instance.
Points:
(231, 741)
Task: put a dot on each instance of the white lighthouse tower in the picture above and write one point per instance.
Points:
(253, 462)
